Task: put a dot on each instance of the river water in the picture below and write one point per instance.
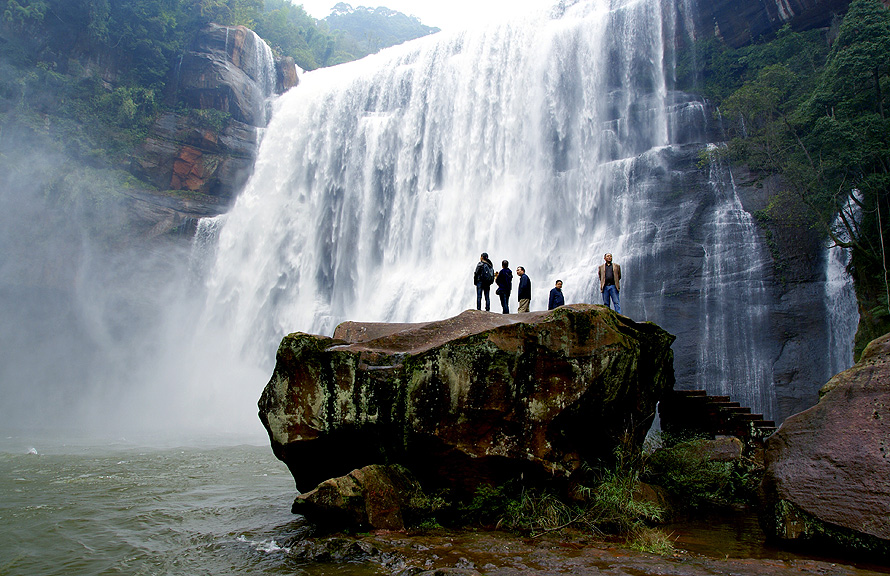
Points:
(84, 507)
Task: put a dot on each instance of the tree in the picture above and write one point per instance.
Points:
(822, 126)
(849, 128)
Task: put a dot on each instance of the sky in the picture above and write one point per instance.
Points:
(446, 14)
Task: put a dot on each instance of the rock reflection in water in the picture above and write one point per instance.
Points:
(739, 535)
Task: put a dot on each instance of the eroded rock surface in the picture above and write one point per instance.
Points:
(228, 72)
(740, 23)
(475, 399)
(828, 468)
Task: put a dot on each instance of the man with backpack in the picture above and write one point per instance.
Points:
(483, 277)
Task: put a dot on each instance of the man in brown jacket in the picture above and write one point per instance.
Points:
(610, 282)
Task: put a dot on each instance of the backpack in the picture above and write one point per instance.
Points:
(487, 274)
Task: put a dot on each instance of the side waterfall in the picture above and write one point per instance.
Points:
(547, 142)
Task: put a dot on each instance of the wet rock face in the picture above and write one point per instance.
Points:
(476, 399)
(828, 468)
(739, 23)
(225, 70)
(182, 154)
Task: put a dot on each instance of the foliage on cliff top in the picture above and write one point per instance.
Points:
(92, 73)
(815, 113)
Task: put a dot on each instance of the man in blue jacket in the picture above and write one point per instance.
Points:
(504, 280)
(524, 293)
(556, 298)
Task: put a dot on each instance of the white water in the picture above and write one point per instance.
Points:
(547, 141)
(380, 182)
(840, 298)
(734, 304)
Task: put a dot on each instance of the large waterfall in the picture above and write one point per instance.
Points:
(545, 141)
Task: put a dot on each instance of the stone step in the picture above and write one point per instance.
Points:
(726, 404)
(720, 399)
(691, 393)
(737, 409)
(765, 424)
(750, 417)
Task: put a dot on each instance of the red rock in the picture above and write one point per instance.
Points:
(828, 468)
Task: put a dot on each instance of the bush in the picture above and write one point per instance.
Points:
(685, 470)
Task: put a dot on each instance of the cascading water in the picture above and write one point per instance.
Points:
(840, 298)
(547, 142)
(734, 307)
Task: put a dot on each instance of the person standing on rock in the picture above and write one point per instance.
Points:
(610, 285)
(483, 277)
(504, 280)
(556, 297)
(524, 293)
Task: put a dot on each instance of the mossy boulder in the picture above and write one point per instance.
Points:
(478, 399)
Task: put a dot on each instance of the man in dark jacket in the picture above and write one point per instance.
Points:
(483, 276)
(524, 293)
(556, 298)
(504, 280)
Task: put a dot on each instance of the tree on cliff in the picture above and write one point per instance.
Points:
(847, 142)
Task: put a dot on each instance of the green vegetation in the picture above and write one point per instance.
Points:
(609, 508)
(96, 70)
(83, 81)
(812, 109)
(347, 34)
(367, 30)
(684, 469)
(627, 500)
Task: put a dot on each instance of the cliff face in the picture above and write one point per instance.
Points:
(739, 23)
(230, 72)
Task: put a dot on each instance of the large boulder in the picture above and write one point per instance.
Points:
(473, 400)
(828, 468)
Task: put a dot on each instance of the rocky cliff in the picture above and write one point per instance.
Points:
(230, 72)
(477, 399)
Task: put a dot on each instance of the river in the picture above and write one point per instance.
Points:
(73, 507)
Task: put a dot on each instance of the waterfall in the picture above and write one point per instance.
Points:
(546, 141)
(734, 304)
(840, 298)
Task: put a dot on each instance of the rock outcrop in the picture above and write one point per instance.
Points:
(230, 72)
(227, 68)
(376, 496)
(477, 399)
(828, 468)
(183, 153)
